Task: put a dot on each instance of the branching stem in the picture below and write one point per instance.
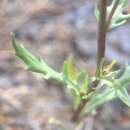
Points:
(101, 52)
(104, 23)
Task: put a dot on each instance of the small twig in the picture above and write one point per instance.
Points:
(112, 13)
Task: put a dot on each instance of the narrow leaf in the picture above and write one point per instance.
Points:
(32, 62)
(98, 98)
(69, 69)
(85, 85)
(123, 95)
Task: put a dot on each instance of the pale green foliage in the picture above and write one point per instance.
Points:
(70, 76)
(118, 18)
(34, 63)
(111, 85)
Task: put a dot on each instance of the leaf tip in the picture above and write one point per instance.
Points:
(13, 39)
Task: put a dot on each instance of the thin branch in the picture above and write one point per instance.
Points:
(112, 13)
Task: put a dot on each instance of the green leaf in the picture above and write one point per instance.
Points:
(122, 3)
(85, 85)
(122, 76)
(80, 76)
(123, 95)
(118, 18)
(34, 63)
(72, 88)
(109, 87)
(99, 96)
(69, 69)
(110, 66)
(77, 101)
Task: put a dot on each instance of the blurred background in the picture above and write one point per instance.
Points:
(54, 29)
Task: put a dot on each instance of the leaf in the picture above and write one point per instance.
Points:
(122, 76)
(72, 88)
(77, 101)
(122, 3)
(69, 69)
(120, 72)
(98, 97)
(85, 85)
(110, 87)
(83, 81)
(111, 65)
(34, 63)
(77, 82)
(118, 17)
(80, 76)
(123, 95)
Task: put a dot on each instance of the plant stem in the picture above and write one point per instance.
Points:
(101, 35)
(112, 13)
(76, 115)
(101, 53)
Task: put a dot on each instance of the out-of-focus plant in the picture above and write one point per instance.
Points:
(89, 91)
